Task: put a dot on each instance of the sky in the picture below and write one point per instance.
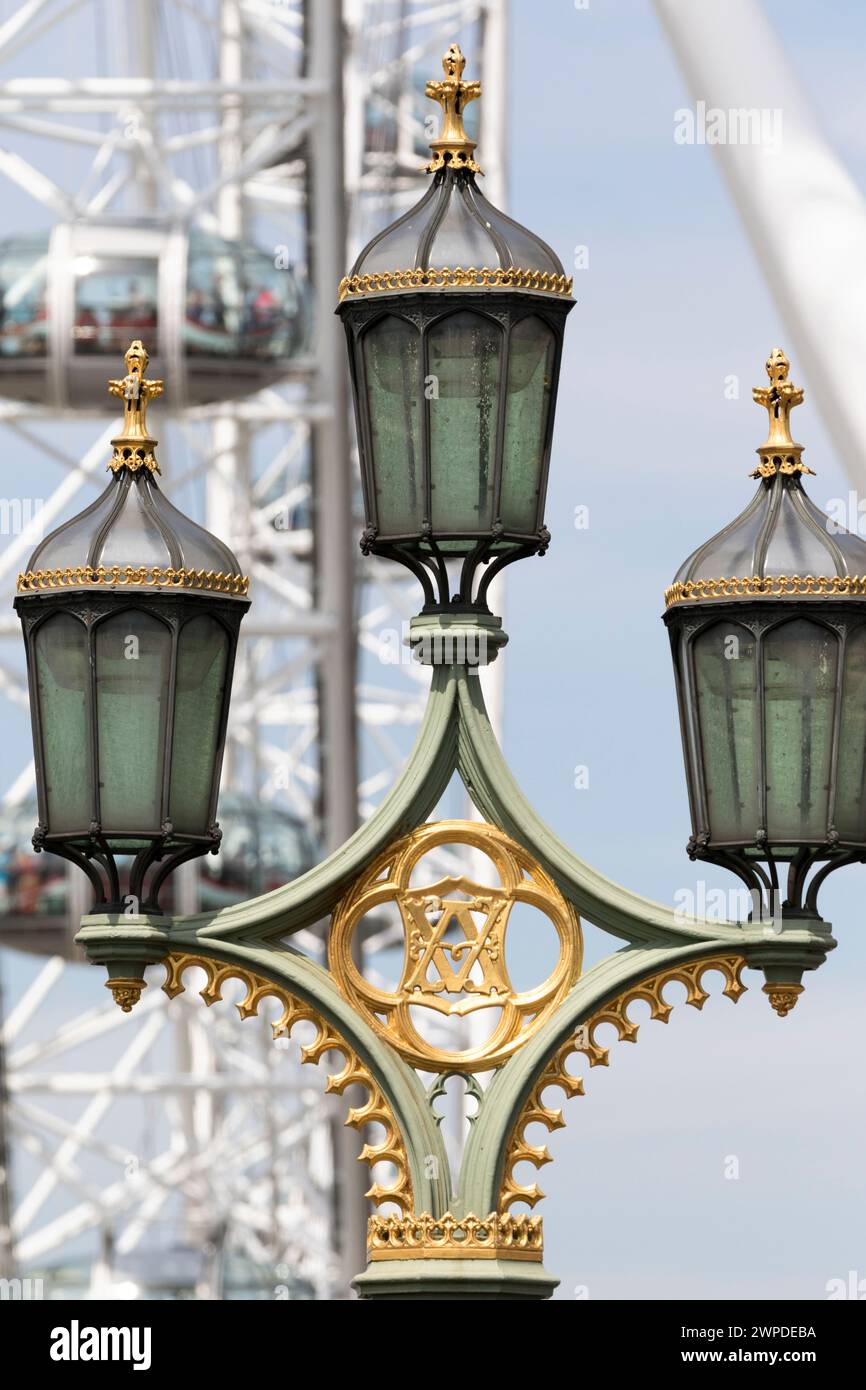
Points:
(671, 304)
(722, 1157)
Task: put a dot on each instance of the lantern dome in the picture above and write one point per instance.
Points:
(782, 544)
(453, 238)
(132, 534)
(767, 623)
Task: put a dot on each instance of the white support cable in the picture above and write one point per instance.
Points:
(803, 213)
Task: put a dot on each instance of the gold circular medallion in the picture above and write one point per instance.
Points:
(454, 933)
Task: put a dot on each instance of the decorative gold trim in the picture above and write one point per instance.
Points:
(133, 459)
(135, 447)
(452, 147)
(501, 1236)
(783, 997)
(454, 956)
(443, 278)
(768, 586)
(133, 576)
(787, 464)
(583, 1040)
(127, 992)
(375, 1110)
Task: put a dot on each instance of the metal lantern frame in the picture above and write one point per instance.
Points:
(421, 550)
(94, 846)
(94, 592)
(780, 532)
(745, 857)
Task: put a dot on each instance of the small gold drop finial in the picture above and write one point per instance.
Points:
(134, 447)
(453, 147)
(126, 991)
(779, 453)
(783, 997)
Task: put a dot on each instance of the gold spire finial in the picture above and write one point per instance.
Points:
(453, 146)
(134, 447)
(779, 453)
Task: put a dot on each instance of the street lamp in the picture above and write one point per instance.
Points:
(130, 614)
(454, 317)
(768, 630)
(455, 382)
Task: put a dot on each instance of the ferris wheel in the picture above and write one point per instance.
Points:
(188, 189)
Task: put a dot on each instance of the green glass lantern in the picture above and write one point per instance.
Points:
(454, 318)
(131, 615)
(768, 630)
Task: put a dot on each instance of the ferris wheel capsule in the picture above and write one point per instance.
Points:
(224, 318)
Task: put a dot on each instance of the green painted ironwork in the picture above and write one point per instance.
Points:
(455, 735)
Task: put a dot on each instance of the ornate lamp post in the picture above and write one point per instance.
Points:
(130, 615)
(468, 483)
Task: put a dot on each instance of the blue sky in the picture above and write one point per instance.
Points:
(671, 304)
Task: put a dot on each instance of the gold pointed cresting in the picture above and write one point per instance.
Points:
(780, 453)
(135, 446)
(453, 148)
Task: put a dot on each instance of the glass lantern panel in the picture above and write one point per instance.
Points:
(202, 662)
(850, 810)
(464, 364)
(531, 355)
(133, 661)
(61, 664)
(800, 672)
(725, 676)
(392, 366)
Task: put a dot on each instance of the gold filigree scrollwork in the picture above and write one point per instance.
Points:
(500, 1236)
(444, 278)
(583, 1040)
(454, 960)
(133, 576)
(769, 586)
(375, 1110)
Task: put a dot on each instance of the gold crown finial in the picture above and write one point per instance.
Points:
(453, 147)
(779, 453)
(134, 447)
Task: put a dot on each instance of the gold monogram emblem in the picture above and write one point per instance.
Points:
(454, 960)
